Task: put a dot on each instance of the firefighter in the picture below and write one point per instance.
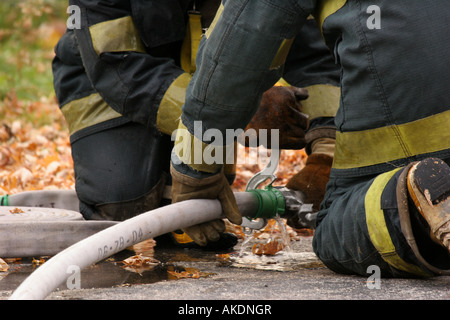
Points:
(387, 202)
(120, 80)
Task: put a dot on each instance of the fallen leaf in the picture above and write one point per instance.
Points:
(268, 249)
(145, 248)
(38, 262)
(187, 273)
(3, 266)
(16, 211)
(223, 258)
(139, 263)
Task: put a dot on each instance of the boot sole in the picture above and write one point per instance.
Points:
(429, 187)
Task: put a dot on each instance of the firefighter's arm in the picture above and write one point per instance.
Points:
(123, 66)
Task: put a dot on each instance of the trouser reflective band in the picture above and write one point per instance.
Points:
(87, 112)
(378, 232)
(118, 35)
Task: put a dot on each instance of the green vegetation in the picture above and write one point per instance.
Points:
(29, 29)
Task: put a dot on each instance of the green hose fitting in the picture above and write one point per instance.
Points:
(4, 200)
(271, 202)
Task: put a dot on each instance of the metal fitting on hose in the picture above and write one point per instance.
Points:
(297, 210)
(271, 202)
(283, 202)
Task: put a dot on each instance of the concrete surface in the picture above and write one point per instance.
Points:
(302, 278)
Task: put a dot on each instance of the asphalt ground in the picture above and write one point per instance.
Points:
(239, 276)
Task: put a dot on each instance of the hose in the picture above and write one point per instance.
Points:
(45, 238)
(119, 236)
(38, 231)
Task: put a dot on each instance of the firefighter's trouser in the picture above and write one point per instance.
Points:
(121, 172)
(359, 226)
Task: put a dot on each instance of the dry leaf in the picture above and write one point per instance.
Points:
(38, 262)
(3, 266)
(223, 258)
(291, 162)
(139, 263)
(16, 210)
(187, 273)
(145, 248)
(268, 249)
(34, 158)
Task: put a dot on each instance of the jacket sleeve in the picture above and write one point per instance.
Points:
(238, 60)
(311, 65)
(131, 69)
(241, 58)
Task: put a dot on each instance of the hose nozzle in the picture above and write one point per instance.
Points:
(283, 202)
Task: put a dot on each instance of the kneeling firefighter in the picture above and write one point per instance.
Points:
(121, 79)
(387, 203)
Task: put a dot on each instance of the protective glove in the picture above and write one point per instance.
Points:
(313, 178)
(280, 108)
(185, 187)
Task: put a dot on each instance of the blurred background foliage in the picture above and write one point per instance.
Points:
(29, 30)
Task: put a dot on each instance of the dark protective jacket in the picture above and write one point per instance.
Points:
(117, 67)
(394, 110)
(124, 63)
(394, 105)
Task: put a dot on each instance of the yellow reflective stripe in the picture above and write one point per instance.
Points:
(282, 83)
(169, 110)
(117, 35)
(283, 51)
(326, 8)
(376, 225)
(190, 150)
(87, 111)
(191, 42)
(214, 22)
(382, 145)
(323, 101)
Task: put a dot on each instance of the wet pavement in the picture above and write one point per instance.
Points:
(188, 274)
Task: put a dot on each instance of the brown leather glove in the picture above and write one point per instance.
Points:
(185, 187)
(312, 180)
(280, 108)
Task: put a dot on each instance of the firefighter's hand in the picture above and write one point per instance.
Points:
(280, 108)
(185, 187)
(312, 181)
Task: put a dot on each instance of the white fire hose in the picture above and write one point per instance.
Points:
(114, 239)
